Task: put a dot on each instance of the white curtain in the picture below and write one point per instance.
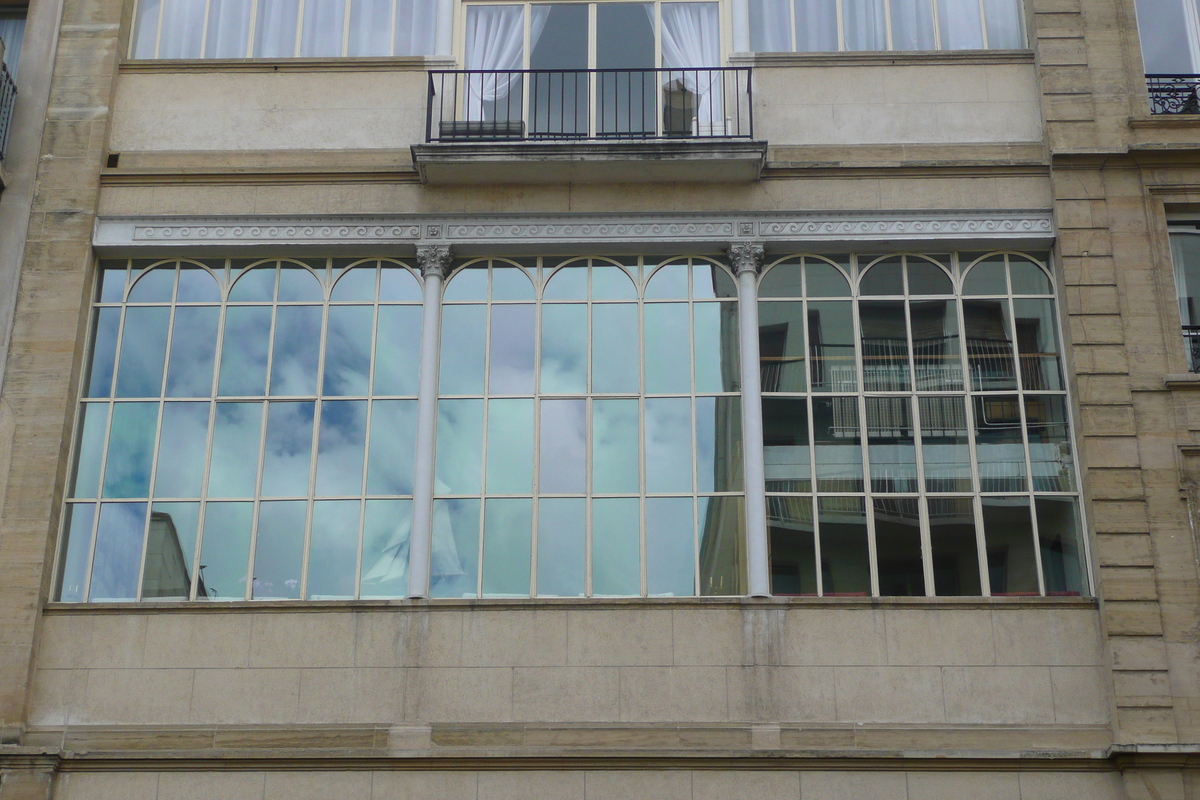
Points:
(912, 25)
(496, 41)
(182, 29)
(960, 26)
(865, 23)
(12, 30)
(770, 26)
(416, 27)
(324, 21)
(1170, 34)
(691, 37)
(816, 26)
(1004, 27)
(275, 29)
(370, 23)
(228, 29)
(145, 28)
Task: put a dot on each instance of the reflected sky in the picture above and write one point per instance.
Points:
(143, 350)
(118, 552)
(340, 447)
(193, 351)
(288, 451)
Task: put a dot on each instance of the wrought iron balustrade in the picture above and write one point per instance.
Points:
(1191, 337)
(1173, 94)
(589, 104)
(8, 100)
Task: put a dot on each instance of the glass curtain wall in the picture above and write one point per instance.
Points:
(246, 432)
(916, 434)
(283, 28)
(589, 430)
(832, 25)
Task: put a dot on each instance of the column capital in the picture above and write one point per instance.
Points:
(434, 259)
(746, 256)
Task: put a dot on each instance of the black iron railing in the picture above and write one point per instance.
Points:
(1191, 338)
(8, 100)
(1173, 94)
(598, 104)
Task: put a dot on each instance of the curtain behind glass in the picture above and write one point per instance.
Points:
(816, 26)
(275, 30)
(960, 26)
(228, 29)
(865, 24)
(912, 25)
(145, 28)
(182, 29)
(12, 30)
(1170, 34)
(770, 26)
(691, 37)
(416, 27)
(370, 23)
(324, 21)
(1004, 27)
(495, 41)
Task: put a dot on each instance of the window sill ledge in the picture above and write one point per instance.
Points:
(572, 603)
(1186, 381)
(885, 58)
(346, 64)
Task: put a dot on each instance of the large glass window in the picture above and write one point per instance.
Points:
(910, 450)
(283, 28)
(832, 25)
(1170, 34)
(1185, 254)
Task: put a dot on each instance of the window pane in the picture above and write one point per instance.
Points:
(170, 550)
(781, 346)
(348, 350)
(463, 329)
(1163, 26)
(1027, 277)
(416, 27)
(716, 347)
(616, 547)
(297, 349)
(225, 550)
(891, 449)
(837, 442)
(722, 551)
(454, 566)
(104, 350)
(816, 26)
(987, 277)
(512, 346)
(998, 444)
(145, 31)
(333, 550)
(563, 437)
(182, 29)
(935, 339)
(323, 23)
(614, 347)
(1059, 536)
(275, 29)
(1008, 533)
(561, 545)
(1049, 443)
(670, 547)
(567, 283)
(912, 25)
(143, 348)
(612, 283)
(234, 466)
(885, 345)
(945, 444)
(845, 554)
(831, 347)
(793, 552)
(341, 447)
(93, 425)
(960, 26)
(193, 351)
(558, 101)
(1005, 28)
(770, 23)
(386, 528)
(564, 348)
(989, 344)
(786, 444)
(668, 356)
(459, 446)
(668, 445)
(510, 283)
(393, 445)
(884, 278)
(824, 280)
(130, 450)
(182, 446)
(510, 446)
(74, 552)
(615, 447)
(244, 352)
(228, 29)
(955, 550)
(279, 550)
(1037, 344)
(718, 444)
(507, 543)
(398, 350)
(255, 285)
(865, 24)
(782, 280)
(898, 547)
(118, 553)
(288, 452)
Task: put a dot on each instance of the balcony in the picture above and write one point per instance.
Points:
(1191, 340)
(610, 125)
(1173, 94)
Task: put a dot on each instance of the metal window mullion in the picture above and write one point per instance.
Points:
(983, 24)
(262, 438)
(392, 49)
(863, 430)
(641, 355)
(791, 24)
(534, 499)
(937, 27)
(693, 437)
(346, 28)
(918, 457)
(841, 27)
(204, 30)
(362, 505)
(210, 435)
(300, 10)
(887, 23)
(812, 439)
(483, 448)
(589, 444)
(315, 448)
(250, 29)
(162, 12)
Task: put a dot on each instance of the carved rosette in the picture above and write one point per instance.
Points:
(434, 259)
(746, 257)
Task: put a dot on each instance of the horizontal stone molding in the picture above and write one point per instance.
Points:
(339, 64)
(401, 234)
(884, 58)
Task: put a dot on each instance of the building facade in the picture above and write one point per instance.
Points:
(733, 398)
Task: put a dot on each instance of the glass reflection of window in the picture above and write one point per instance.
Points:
(959, 431)
(249, 442)
(589, 440)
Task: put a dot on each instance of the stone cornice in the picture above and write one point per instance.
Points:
(708, 232)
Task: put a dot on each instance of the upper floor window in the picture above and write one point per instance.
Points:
(12, 30)
(833, 25)
(283, 28)
(1170, 34)
(1185, 254)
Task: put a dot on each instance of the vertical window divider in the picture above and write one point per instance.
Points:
(642, 282)
(841, 28)
(983, 24)
(204, 30)
(299, 29)
(887, 21)
(693, 418)
(969, 420)
(250, 29)
(812, 432)
(314, 448)
(536, 401)
(391, 48)
(915, 423)
(346, 28)
(588, 429)
(434, 261)
(747, 260)
(937, 26)
(225, 283)
(162, 12)
(362, 503)
(792, 24)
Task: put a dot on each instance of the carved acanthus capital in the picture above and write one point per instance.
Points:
(746, 256)
(434, 259)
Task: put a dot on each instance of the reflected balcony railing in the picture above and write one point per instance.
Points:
(1191, 338)
(1173, 94)
(589, 104)
(8, 101)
